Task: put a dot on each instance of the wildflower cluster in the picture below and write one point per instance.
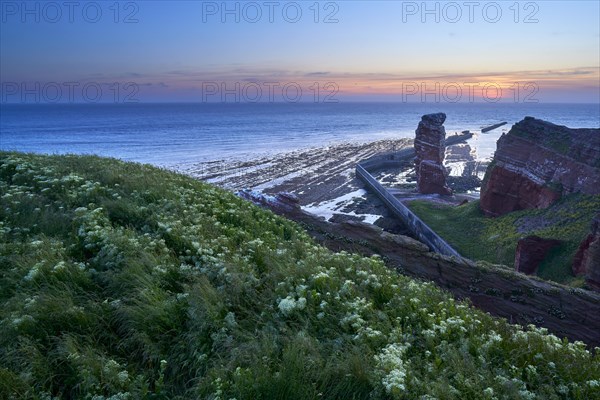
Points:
(124, 281)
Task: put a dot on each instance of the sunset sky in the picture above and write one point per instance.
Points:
(375, 51)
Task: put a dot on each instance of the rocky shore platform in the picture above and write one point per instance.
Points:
(322, 178)
(324, 181)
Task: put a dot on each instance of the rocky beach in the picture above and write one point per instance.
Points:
(324, 182)
(322, 179)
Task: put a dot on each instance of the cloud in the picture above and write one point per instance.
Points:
(357, 83)
(317, 73)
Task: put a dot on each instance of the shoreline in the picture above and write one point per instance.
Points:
(324, 181)
(322, 178)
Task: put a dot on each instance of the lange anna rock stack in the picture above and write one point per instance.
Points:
(430, 146)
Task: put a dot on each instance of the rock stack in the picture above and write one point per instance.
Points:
(430, 148)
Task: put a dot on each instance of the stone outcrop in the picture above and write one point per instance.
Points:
(281, 201)
(587, 258)
(536, 163)
(531, 251)
(430, 149)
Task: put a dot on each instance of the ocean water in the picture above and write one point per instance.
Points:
(171, 134)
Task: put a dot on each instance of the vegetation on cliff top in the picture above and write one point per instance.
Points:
(495, 239)
(574, 143)
(121, 280)
(555, 139)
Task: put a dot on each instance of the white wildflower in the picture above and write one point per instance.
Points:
(230, 320)
(33, 272)
(123, 376)
(61, 266)
(527, 395)
(392, 368)
(289, 304)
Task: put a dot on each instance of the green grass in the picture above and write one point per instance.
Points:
(556, 140)
(124, 281)
(495, 239)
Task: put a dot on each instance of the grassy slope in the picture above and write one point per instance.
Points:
(495, 239)
(123, 280)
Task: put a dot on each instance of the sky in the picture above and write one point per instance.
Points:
(517, 51)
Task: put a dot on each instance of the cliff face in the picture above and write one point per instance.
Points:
(536, 163)
(587, 259)
(530, 253)
(430, 146)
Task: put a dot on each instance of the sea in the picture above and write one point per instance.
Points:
(177, 134)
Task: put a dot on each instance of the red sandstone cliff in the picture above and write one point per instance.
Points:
(587, 259)
(536, 163)
(531, 252)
